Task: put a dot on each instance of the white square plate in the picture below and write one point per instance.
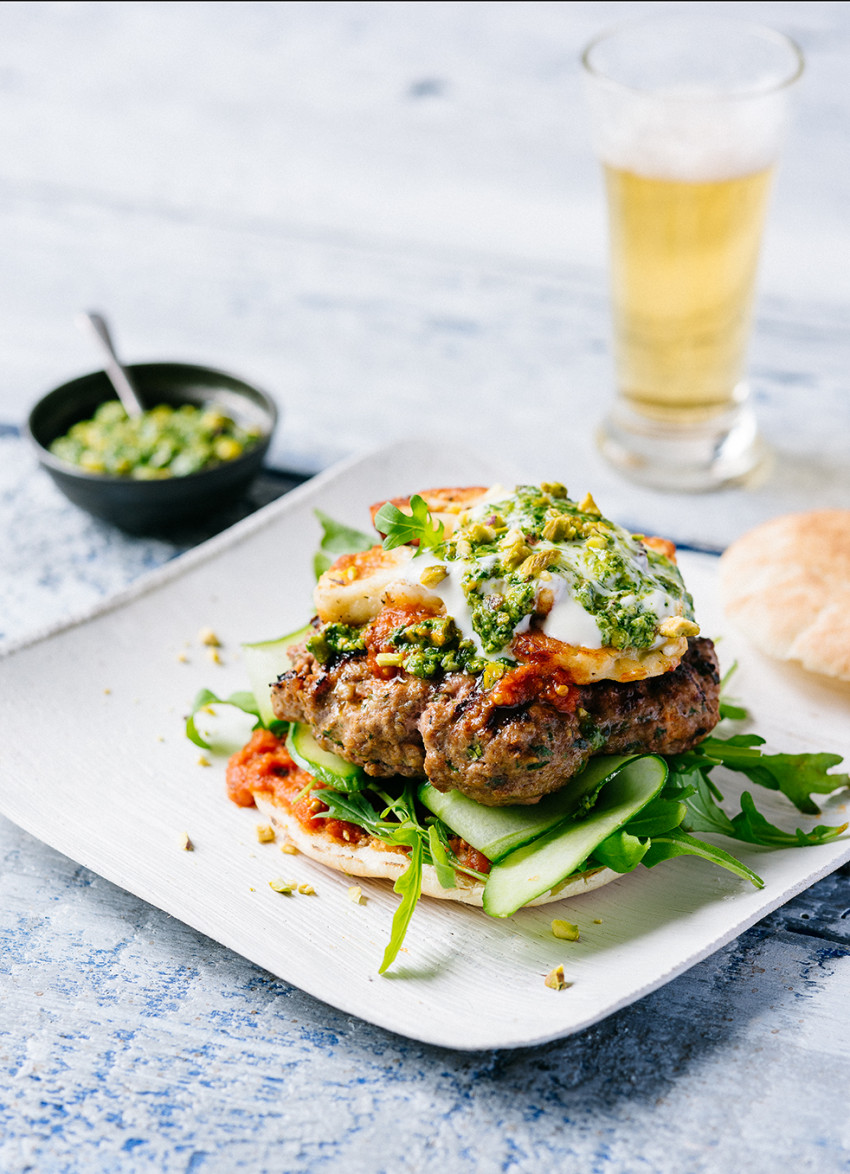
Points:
(96, 765)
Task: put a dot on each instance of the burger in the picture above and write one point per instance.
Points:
(486, 704)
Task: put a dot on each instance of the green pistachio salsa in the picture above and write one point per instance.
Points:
(162, 442)
(537, 555)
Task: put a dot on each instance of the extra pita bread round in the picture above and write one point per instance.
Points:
(786, 584)
(372, 858)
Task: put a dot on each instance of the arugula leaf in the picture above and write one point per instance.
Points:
(621, 851)
(440, 859)
(729, 707)
(795, 775)
(409, 888)
(442, 832)
(678, 843)
(353, 807)
(241, 700)
(660, 815)
(703, 812)
(752, 826)
(735, 713)
(405, 831)
(401, 528)
(337, 539)
(705, 815)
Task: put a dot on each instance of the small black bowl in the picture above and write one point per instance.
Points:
(143, 507)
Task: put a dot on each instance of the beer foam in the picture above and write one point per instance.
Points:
(687, 135)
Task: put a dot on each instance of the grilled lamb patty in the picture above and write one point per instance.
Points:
(452, 731)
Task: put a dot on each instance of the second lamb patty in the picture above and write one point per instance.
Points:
(511, 744)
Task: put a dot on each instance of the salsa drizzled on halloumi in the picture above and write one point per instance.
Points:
(519, 575)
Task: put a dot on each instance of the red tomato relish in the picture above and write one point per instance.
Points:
(264, 764)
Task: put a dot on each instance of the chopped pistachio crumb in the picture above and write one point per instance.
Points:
(431, 576)
(555, 979)
(289, 848)
(203, 760)
(265, 833)
(355, 894)
(213, 655)
(182, 658)
(389, 659)
(281, 886)
(185, 843)
(493, 672)
(107, 691)
(565, 930)
(554, 488)
(677, 626)
(307, 890)
(597, 921)
(207, 636)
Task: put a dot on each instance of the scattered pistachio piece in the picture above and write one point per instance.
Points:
(265, 833)
(281, 886)
(355, 894)
(537, 562)
(588, 506)
(556, 981)
(307, 890)
(107, 691)
(185, 843)
(565, 930)
(678, 626)
(431, 576)
(388, 660)
(493, 672)
(213, 655)
(554, 488)
(597, 921)
(203, 760)
(207, 636)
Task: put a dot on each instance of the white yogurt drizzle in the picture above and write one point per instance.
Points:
(567, 620)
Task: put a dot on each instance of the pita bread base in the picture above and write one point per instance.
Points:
(379, 861)
(786, 585)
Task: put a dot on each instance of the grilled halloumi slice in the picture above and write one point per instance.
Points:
(446, 505)
(355, 588)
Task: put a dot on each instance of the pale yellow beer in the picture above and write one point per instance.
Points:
(683, 263)
(688, 112)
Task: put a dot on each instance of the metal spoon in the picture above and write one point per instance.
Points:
(95, 324)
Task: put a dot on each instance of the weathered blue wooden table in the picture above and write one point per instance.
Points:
(388, 214)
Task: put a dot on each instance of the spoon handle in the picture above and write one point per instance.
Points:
(118, 375)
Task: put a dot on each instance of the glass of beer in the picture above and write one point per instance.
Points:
(688, 115)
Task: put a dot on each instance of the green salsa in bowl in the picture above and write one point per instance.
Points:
(165, 441)
(199, 443)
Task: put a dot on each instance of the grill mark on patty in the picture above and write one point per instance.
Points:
(450, 730)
